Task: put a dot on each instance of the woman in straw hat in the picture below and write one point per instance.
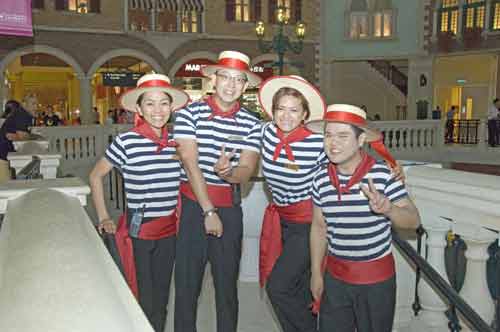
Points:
(146, 157)
(356, 200)
(291, 155)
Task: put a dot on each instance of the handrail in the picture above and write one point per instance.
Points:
(31, 170)
(434, 278)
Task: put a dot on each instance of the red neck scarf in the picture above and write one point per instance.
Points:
(145, 130)
(364, 166)
(217, 111)
(297, 135)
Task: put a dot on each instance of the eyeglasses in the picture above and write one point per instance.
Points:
(236, 79)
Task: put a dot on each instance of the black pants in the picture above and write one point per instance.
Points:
(362, 308)
(493, 132)
(194, 249)
(449, 131)
(154, 262)
(288, 283)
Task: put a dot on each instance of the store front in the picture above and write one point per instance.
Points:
(467, 82)
(190, 78)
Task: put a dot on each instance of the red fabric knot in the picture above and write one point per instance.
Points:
(144, 129)
(297, 135)
(365, 165)
(217, 111)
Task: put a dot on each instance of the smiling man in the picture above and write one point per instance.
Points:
(356, 202)
(211, 226)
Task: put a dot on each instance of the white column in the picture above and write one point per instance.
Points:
(86, 114)
(418, 66)
(487, 21)
(475, 290)
(3, 96)
(460, 19)
(432, 318)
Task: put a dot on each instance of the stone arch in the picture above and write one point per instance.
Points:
(193, 55)
(124, 52)
(41, 49)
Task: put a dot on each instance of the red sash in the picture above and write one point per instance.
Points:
(220, 196)
(361, 273)
(156, 229)
(271, 243)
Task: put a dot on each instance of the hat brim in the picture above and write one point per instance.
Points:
(253, 79)
(129, 99)
(268, 89)
(318, 126)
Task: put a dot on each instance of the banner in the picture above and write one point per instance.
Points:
(15, 18)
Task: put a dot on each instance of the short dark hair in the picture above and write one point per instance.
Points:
(11, 106)
(287, 91)
(141, 97)
(495, 100)
(357, 131)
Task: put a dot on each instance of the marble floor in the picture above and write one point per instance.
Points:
(255, 310)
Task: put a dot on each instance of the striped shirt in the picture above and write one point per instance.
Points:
(290, 182)
(354, 232)
(151, 179)
(239, 133)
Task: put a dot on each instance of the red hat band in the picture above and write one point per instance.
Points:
(154, 84)
(345, 117)
(234, 63)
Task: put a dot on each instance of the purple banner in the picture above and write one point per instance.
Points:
(15, 18)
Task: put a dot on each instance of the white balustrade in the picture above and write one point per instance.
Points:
(472, 203)
(55, 273)
(25, 150)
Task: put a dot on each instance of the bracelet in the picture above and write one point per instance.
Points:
(209, 212)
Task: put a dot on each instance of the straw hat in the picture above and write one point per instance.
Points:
(233, 60)
(268, 89)
(154, 82)
(346, 114)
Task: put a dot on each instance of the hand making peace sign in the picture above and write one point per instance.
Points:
(223, 166)
(379, 203)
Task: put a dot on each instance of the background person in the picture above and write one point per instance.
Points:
(146, 157)
(493, 121)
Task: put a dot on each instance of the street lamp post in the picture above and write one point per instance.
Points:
(281, 43)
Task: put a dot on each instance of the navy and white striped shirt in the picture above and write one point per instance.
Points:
(239, 133)
(151, 179)
(354, 232)
(290, 182)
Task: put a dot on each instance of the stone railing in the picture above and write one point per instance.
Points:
(469, 205)
(55, 273)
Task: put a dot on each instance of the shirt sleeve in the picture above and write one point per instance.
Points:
(185, 124)
(116, 153)
(253, 141)
(395, 189)
(315, 192)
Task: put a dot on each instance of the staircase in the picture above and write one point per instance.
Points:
(392, 74)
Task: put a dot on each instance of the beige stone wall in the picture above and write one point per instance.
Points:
(216, 24)
(110, 17)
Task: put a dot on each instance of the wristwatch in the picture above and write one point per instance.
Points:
(209, 212)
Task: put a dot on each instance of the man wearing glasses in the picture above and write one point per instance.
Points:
(218, 143)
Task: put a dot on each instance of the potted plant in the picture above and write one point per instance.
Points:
(445, 40)
(472, 37)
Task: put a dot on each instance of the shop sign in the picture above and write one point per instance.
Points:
(193, 68)
(15, 18)
(264, 69)
(120, 79)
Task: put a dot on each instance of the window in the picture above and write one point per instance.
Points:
(37, 4)
(243, 10)
(190, 21)
(358, 19)
(292, 10)
(382, 19)
(495, 15)
(474, 12)
(79, 6)
(448, 16)
(359, 25)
